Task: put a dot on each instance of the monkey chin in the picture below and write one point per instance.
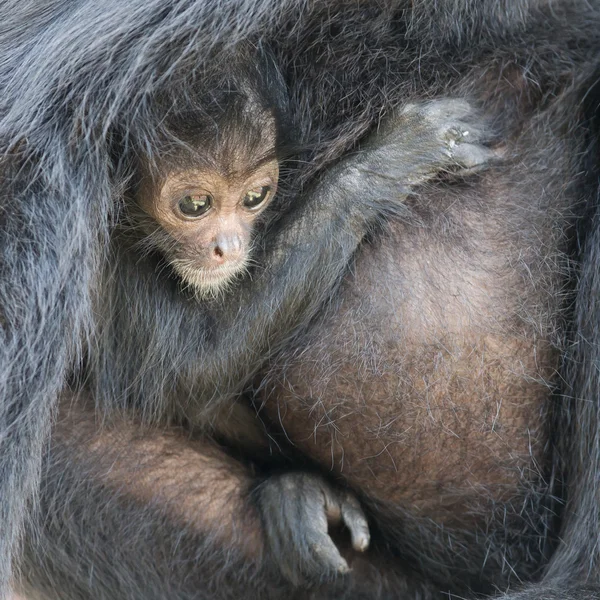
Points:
(208, 284)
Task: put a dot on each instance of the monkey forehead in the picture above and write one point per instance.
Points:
(245, 140)
(244, 135)
(234, 176)
(243, 151)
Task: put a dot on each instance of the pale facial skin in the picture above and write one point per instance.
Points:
(209, 216)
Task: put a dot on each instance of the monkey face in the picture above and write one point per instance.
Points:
(208, 217)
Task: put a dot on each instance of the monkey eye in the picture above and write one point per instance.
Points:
(254, 198)
(195, 206)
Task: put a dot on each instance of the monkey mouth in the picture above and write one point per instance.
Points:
(205, 282)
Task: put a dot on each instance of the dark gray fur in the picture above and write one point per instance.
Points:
(75, 77)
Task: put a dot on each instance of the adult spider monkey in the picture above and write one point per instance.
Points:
(442, 420)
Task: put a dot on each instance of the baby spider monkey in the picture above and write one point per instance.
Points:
(196, 208)
(202, 191)
(200, 211)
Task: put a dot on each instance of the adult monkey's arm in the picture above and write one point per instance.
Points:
(170, 514)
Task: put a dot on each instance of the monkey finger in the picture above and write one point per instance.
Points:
(328, 555)
(356, 522)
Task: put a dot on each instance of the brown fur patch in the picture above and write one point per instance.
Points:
(425, 385)
(192, 481)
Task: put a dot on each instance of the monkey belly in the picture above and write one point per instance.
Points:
(425, 384)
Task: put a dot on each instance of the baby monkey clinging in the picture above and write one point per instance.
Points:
(204, 203)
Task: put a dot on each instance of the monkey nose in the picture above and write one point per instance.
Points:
(226, 249)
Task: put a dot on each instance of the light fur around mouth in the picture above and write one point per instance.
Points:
(208, 283)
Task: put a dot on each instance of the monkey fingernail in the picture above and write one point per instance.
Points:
(343, 567)
(362, 543)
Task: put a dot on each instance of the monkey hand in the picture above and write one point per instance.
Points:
(296, 509)
(425, 139)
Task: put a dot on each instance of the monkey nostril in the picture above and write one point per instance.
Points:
(226, 249)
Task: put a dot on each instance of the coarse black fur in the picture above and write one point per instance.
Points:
(78, 79)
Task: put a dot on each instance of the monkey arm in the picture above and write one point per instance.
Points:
(145, 513)
(312, 250)
(49, 248)
(172, 514)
